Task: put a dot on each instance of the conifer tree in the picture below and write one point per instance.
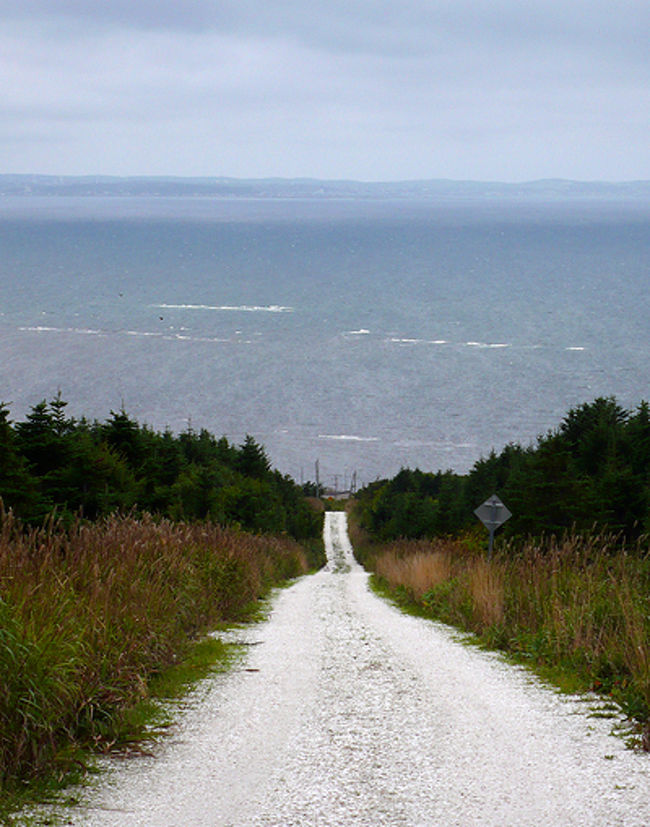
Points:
(18, 489)
(252, 460)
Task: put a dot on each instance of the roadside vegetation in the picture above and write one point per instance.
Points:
(91, 613)
(120, 549)
(567, 589)
(575, 609)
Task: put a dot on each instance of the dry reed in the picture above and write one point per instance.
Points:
(486, 587)
(418, 573)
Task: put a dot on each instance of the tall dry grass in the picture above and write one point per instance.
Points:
(578, 603)
(88, 615)
(487, 590)
(416, 566)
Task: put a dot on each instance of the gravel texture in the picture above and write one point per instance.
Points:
(346, 712)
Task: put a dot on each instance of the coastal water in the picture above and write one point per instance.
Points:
(365, 334)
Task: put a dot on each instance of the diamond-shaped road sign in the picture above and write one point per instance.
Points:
(492, 513)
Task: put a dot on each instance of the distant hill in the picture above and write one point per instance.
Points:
(25, 185)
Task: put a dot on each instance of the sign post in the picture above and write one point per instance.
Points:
(492, 513)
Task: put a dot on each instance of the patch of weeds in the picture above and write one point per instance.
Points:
(496, 637)
(521, 652)
(564, 679)
(399, 597)
(207, 656)
(41, 801)
(147, 720)
(315, 553)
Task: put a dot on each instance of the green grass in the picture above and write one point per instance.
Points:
(133, 732)
(146, 720)
(93, 617)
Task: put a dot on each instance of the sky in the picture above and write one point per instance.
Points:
(371, 90)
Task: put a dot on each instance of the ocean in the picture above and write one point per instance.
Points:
(363, 334)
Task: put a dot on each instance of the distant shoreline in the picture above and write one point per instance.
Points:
(152, 186)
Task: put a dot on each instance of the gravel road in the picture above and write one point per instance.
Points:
(346, 712)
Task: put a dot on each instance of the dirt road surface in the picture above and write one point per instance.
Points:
(346, 712)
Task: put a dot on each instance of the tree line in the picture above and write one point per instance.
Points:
(593, 470)
(51, 462)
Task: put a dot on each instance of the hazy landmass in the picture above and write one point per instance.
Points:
(39, 185)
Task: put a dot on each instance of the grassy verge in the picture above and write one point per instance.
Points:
(576, 610)
(135, 727)
(89, 617)
(43, 799)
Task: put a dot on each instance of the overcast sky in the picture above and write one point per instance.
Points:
(506, 90)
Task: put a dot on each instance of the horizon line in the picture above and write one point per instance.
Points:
(314, 179)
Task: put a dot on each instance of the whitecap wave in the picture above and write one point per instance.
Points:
(361, 332)
(408, 341)
(180, 337)
(144, 334)
(78, 330)
(349, 437)
(576, 347)
(244, 308)
(444, 445)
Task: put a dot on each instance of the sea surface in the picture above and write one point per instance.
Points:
(367, 335)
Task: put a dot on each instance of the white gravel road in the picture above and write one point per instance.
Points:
(346, 712)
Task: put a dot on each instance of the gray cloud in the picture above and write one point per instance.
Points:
(377, 25)
(370, 89)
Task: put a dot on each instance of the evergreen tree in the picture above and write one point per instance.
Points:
(124, 435)
(252, 460)
(18, 489)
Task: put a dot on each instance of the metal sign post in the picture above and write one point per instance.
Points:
(492, 513)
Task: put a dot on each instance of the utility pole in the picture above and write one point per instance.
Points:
(317, 481)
